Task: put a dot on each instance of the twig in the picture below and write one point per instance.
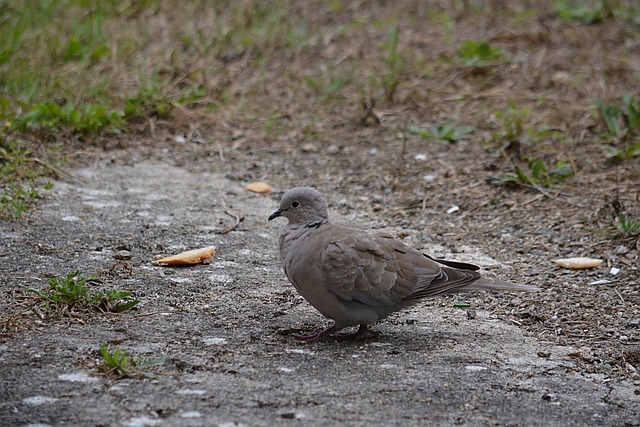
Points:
(236, 218)
(153, 313)
(220, 152)
(57, 171)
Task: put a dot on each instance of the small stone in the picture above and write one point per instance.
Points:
(544, 354)
(308, 148)
(122, 254)
(621, 250)
(471, 314)
(453, 209)
(333, 149)
(506, 238)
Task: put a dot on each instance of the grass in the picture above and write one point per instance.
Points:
(447, 132)
(538, 173)
(594, 11)
(621, 127)
(625, 225)
(119, 363)
(474, 53)
(19, 174)
(72, 294)
(74, 72)
(394, 65)
(521, 143)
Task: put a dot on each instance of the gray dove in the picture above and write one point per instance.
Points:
(358, 277)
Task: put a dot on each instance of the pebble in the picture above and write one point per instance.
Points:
(122, 254)
(621, 250)
(333, 149)
(506, 238)
(377, 199)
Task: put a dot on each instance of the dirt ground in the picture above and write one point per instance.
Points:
(567, 355)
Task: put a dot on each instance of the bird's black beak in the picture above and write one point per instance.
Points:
(276, 214)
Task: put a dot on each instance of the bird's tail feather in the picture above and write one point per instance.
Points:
(489, 284)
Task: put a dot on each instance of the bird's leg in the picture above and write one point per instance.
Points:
(362, 333)
(320, 336)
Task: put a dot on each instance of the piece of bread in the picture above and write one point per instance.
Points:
(194, 256)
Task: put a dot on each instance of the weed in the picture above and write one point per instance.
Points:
(119, 363)
(625, 225)
(449, 132)
(326, 86)
(16, 200)
(447, 23)
(72, 293)
(148, 102)
(538, 174)
(621, 127)
(621, 119)
(621, 153)
(515, 132)
(86, 119)
(474, 53)
(17, 178)
(394, 64)
(582, 11)
(590, 12)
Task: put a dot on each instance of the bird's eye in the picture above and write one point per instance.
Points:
(295, 204)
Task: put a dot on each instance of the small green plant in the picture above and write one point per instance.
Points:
(621, 119)
(538, 174)
(449, 132)
(621, 127)
(84, 119)
(120, 364)
(18, 172)
(474, 53)
(16, 200)
(73, 294)
(394, 64)
(515, 132)
(148, 102)
(581, 11)
(625, 225)
(325, 87)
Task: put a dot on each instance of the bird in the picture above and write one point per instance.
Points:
(357, 277)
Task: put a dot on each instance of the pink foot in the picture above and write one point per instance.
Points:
(328, 334)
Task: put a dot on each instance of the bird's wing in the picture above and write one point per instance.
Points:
(372, 268)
